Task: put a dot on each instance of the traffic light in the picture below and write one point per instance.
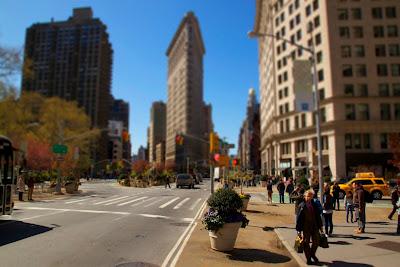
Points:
(125, 136)
(235, 162)
(214, 142)
(217, 157)
(179, 139)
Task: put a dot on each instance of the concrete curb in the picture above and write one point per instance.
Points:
(293, 253)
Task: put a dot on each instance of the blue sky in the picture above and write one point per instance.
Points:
(140, 32)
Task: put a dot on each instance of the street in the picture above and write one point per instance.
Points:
(107, 225)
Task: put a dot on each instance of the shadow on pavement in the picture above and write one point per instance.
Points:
(257, 255)
(348, 264)
(254, 211)
(353, 237)
(339, 243)
(380, 223)
(12, 231)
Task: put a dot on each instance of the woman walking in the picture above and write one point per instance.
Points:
(328, 211)
(269, 191)
(348, 203)
(21, 187)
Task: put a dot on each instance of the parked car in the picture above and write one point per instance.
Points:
(185, 179)
(374, 185)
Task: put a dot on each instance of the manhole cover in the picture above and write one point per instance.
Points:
(136, 264)
(389, 245)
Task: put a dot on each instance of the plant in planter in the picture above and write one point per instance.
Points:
(245, 199)
(224, 218)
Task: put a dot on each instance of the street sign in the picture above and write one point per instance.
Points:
(60, 149)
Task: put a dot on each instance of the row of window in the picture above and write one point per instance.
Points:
(361, 111)
(356, 13)
(301, 146)
(360, 70)
(378, 31)
(348, 51)
(362, 140)
(361, 90)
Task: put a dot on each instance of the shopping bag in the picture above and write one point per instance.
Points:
(299, 244)
(323, 241)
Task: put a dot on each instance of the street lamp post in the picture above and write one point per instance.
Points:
(311, 51)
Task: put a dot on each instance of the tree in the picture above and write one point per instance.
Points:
(38, 155)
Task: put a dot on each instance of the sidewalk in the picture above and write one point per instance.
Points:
(256, 245)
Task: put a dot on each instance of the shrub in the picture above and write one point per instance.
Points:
(245, 196)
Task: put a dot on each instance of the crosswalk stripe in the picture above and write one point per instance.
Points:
(169, 202)
(79, 200)
(195, 203)
(116, 201)
(105, 201)
(130, 201)
(154, 202)
(143, 200)
(181, 203)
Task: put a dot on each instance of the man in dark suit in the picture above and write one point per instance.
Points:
(309, 222)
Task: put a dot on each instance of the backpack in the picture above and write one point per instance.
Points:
(368, 197)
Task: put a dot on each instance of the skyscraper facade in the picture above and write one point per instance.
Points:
(185, 106)
(72, 60)
(157, 129)
(120, 112)
(358, 70)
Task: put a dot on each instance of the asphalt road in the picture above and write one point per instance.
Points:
(108, 225)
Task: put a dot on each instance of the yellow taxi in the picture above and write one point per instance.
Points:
(377, 187)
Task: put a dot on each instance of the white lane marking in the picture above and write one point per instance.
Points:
(169, 202)
(79, 200)
(154, 216)
(181, 203)
(130, 201)
(154, 202)
(43, 215)
(108, 200)
(141, 202)
(190, 228)
(187, 219)
(195, 204)
(83, 211)
(116, 201)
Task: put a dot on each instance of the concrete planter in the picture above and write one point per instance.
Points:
(245, 203)
(224, 239)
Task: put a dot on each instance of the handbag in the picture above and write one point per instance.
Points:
(299, 244)
(323, 241)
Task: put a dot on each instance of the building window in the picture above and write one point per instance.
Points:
(383, 89)
(361, 70)
(362, 90)
(377, 13)
(385, 111)
(380, 50)
(315, 5)
(287, 122)
(357, 141)
(394, 50)
(346, 51)
(286, 107)
(296, 122)
(348, 141)
(286, 91)
(318, 39)
(366, 141)
(356, 13)
(395, 70)
(291, 24)
(280, 94)
(316, 22)
(343, 14)
(392, 31)
(397, 111)
(359, 51)
(301, 146)
(384, 140)
(391, 12)
(296, 4)
(396, 89)
(280, 110)
(350, 111)
(281, 126)
(286, 148)
(290, 9)
(298, 35)
(349, 90)
(308, 10)
(347, 71)
(379, 31)
(298, 19)
(358, 32)
(319, 57)
(323, 114)
(362, 112)
(382, 70)
(344, 32)
(321, 94)
(320, 75)
(303, 120)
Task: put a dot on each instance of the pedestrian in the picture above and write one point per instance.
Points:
(281, 190)
(31, 185)
(328, 211)
(298, 197)
(166, 178)
(21, 187)
(398, 217)
(269, 191)
(395, 198)
(226, 185)
(315, 188)
(348, 203)
(336, 191)
(308, 222)
(359, 203)
(289, 190)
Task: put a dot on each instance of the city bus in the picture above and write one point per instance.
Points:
(7, 175)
